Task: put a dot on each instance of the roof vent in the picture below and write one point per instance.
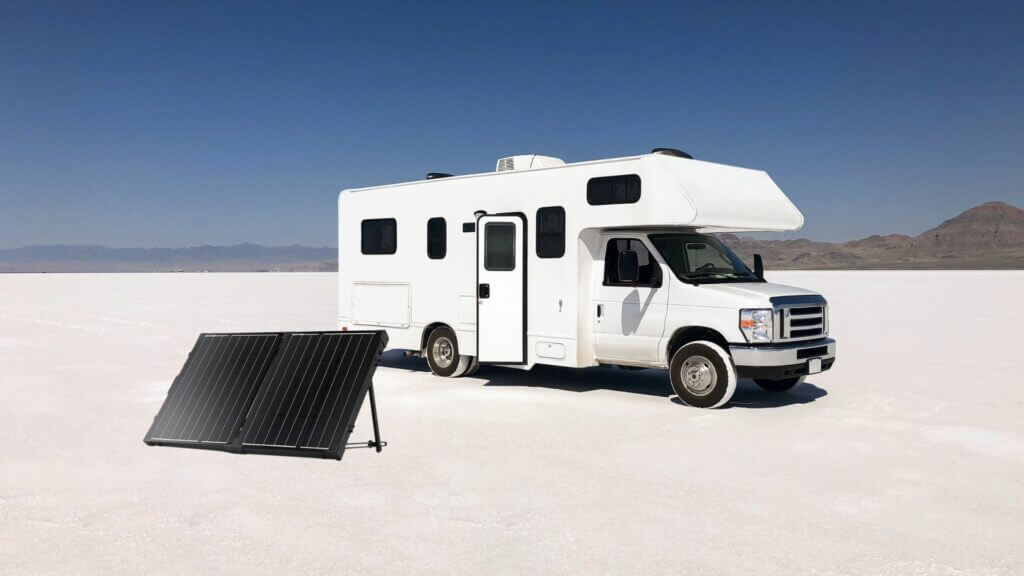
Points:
(436, 175)
(672, 152)
(527, 162)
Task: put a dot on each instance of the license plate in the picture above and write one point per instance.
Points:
(814, 365)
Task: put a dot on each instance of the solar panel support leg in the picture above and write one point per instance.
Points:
(376, 427)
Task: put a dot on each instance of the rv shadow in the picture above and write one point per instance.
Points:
(398, 359)
(649, 382)
(749, 395)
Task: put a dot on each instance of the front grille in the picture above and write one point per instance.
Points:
(801, 322)
(794, 322)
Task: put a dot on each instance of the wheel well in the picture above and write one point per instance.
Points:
(426, 334)
(684, 336)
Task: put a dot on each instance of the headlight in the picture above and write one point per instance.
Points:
(756, 325)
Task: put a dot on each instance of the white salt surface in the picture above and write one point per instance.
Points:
(906, 458)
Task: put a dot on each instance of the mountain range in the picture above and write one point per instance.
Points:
(987, 236)
(237, 258)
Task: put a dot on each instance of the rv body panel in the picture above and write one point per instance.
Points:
(407, 289)
(727, 198)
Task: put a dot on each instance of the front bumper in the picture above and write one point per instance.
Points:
(782, 360)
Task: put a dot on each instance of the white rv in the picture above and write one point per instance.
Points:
(601, 262)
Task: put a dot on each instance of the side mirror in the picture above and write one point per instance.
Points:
(758, 266)
(629, 266)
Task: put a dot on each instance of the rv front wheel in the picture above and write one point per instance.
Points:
(443, 354)
(703, 374)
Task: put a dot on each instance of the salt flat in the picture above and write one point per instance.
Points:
(907, 458)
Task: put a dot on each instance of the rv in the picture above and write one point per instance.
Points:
(606, 262)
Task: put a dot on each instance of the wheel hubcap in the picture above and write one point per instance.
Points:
(698, 375)
(443, 352)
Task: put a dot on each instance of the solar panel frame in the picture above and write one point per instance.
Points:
(289, 366)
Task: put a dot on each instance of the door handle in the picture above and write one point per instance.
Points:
(484, 291)
(600, 309)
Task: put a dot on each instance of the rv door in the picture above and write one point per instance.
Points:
(501, 289)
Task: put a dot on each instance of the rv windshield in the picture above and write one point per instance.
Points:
(699, 258)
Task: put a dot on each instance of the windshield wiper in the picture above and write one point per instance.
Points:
(720, 276)
(705, 274)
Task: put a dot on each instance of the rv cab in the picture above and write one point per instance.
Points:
(691, 285)
(608, 262)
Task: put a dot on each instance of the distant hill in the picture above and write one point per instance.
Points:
(237, 258)
(986, 236)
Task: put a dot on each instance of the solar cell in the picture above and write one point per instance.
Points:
(274, 393)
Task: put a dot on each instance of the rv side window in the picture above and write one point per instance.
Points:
(380, 236)
(500, 246)
(649, 270)
(613, 190)
(437, 238)
(551, 232)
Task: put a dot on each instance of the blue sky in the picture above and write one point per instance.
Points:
(176, 123)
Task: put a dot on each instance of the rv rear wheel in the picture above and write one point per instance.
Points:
(443, 354)
(780, 385)
(465, 363)
(474, 365)
(703, 374)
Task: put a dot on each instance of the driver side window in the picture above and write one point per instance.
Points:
(650, 272)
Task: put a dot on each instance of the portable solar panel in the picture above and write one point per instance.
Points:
(291, 394)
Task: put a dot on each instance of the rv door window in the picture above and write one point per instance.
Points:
(649, 270)
(551, 232)
(500, 246)
(437, 238)
(613, 190)
(379, 236)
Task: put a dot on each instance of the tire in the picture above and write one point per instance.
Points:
(465, 363)
(474, 365)
(703, 375)
(443, 354)
(780, 385)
